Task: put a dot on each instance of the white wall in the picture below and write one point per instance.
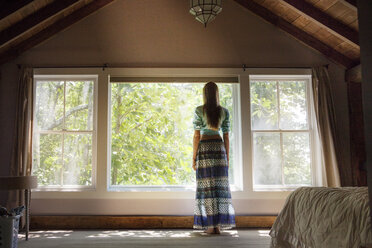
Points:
(147, 33)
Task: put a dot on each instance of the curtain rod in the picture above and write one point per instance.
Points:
(104, 66)
(280, 67)
(73, 66)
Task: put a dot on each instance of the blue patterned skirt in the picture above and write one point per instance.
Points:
(213, 206)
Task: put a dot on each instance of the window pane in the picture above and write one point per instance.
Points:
(79, 105)
(267, 168)
(293, 112)
(226, 100)
(77, 168)
(47, 158)
(296, 155)
(264, 105)
(49, 105)
(151, 131)
(63, 157)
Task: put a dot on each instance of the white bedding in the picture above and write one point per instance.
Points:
(325, 218)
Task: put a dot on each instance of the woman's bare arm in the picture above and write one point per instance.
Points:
(195, 147)
(227, 145)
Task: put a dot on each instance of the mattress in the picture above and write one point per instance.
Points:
(323, 217)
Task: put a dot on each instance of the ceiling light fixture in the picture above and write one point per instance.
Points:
(205, 10)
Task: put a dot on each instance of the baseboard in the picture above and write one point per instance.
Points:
(135, 222)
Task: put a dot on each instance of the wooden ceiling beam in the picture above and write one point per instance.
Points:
(34, 19)
(352, 4)
(10, 6)
(297, 33)
(53, 29)
(354, 74)
(327, 21)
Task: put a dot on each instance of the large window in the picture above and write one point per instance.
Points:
(64, 132)
(145, 130)
(281, 132)
(151, 132)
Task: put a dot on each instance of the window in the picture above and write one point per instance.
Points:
(151, 131)
(281, 132)
(149, 158)
(64, 131)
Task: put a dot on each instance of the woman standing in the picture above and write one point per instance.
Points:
(213, 208)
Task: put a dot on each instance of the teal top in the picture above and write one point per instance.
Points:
(200, 122)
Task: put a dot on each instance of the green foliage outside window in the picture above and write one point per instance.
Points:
(281, 137)
(151, 132)
(62, 133)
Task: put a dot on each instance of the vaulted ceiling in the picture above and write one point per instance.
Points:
(328, 26)
(26, 23)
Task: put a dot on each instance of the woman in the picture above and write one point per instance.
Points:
(213, 208)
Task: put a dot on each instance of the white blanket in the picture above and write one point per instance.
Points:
(320, 217)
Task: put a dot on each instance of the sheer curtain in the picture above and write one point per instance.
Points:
(22, 150)
(325, 127)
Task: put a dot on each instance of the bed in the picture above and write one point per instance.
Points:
(325, 218)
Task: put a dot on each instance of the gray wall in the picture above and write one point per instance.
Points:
(145, 33)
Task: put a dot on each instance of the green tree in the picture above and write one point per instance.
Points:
(62, 156)
(280, 157)
(151, 132)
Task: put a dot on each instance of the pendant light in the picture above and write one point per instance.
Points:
(205, 10)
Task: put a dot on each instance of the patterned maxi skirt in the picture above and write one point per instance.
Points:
(213, 206)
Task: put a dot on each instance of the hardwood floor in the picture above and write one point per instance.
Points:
(257, 238)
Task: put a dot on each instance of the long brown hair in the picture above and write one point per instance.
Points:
(211, 106)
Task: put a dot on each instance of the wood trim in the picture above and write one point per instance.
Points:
(357, 143)
(255, 221)
(34, 19)
(354, 74)
(298, 33)
(7, 8)
(327, 21)
(52, 30)
(135, 222)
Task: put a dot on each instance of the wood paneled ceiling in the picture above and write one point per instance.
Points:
(328, 26)
(26, 23)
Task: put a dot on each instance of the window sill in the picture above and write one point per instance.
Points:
(138, 188)
(267, 188)
(167, 188)
(65, 189)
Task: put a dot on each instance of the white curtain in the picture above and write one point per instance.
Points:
(325, 129)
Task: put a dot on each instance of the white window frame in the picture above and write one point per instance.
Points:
(309, 130)
(238, 181)
(176, 202)
(93, 132)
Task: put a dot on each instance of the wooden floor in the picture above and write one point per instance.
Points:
(135, 222)
(255, 238)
